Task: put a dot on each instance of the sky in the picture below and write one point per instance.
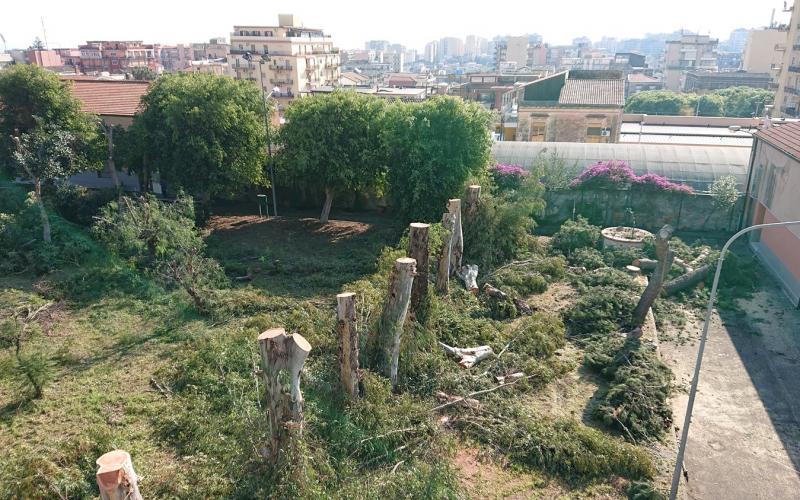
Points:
(351, 22)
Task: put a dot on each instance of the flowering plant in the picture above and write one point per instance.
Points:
(507, 177)
(619, 174)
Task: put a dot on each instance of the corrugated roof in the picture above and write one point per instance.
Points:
(610, 92)
(697, 166)
(115, 98)
(785, 137)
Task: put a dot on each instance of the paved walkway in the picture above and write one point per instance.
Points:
(744, 441)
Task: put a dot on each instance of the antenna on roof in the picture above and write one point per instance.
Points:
(5, 47)
(44, 34)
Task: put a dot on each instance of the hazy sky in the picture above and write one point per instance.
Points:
(351, 22)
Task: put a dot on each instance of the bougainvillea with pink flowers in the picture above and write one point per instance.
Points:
(508, 177)
(618, 174)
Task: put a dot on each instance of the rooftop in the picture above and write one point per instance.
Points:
(641, 78)
(786, 138)
(112, 98)
(593, 92)
(577, 88)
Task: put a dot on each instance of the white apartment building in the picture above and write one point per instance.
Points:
(764, 50)
(691, 52)
(288, 57)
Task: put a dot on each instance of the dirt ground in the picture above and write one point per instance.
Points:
(744, 440)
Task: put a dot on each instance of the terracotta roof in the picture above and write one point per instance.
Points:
(354, 76)
(608, 92)
(103, 97)
(785, 137)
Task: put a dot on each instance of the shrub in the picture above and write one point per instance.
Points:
(78, 204)
(575, 234)
(508, 177)
(617, 174)
(602, 310)
(587, 257)
(621, 256)
(607, 277)
(724, 192)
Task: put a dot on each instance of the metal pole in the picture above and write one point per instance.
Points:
(676, 475)
(265, 97)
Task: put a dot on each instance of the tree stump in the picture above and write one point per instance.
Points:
(349, 370)
(418, 250)
(454, 208)
(116, 478)
(473, 198)
(394, 316)
(282, 359)
(653, 289)
(443, 274)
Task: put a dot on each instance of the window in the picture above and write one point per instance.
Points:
(537, 131)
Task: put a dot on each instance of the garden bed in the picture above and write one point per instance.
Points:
(624, 237)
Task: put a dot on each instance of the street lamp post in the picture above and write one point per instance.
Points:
(265, 97)
(676, 475)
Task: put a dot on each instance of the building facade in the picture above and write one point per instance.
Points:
(764, 50)
(691, 52)
(118, 56)
(708, 81)
(287, 59)
(787, 98)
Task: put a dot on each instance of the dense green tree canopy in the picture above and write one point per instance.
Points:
(31, 95)
(433, 148)
(732, 102)
(143, 73)
(203, 133)
(333, 142)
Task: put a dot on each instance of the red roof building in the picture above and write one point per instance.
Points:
(115, 101)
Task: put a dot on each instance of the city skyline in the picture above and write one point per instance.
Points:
(67, 26)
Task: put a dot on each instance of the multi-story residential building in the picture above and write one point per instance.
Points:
(729, 61)
(69, 57)
(215, 48)
(707, 81)
(691, 52)
(44, 58)
(537, 55)
(175, 57)
(451, 48)
(572, 106)
(787, 98)
(764, 50)
(287, 59)
(377, 45)
(736, 41)
(118, 56)
(639, 82)
(432, 52)
(517, 50)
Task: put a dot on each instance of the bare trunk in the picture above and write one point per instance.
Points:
(443, 275)
(454, 207)
(473, 198)
(468, 357)
(686, 281)
(469, 274)
(653, 289)
(326, 208)
(418, 250)
(112, 168)
(282, 359)
(349, 370)
(42, 211)
(394, 315)
(116, 478)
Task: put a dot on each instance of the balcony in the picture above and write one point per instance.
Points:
(792, 90)
(281, 67)
(794, 69)
(281, 81)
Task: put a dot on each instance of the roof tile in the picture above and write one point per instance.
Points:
(104, 97)
(785, 137)
(609, 92)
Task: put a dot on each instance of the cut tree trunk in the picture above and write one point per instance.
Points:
(326, 207)
(473, 198)
(418, 250)
(42, 212)
(349, 370)
(653, 289)
(443, 275)
(454, 208)
(494, 293)
(116, 478)
(469, 274)
(282, 359)
(394, 316)
(686, 281)
(468, 357)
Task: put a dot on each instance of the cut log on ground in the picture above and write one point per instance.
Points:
(116, 478)
(454, 208)
(443, 274)
(418, 250)
(349, 370)
(469, 275)
(390, 328)
(468, 357)
(653, 289)
(494, 293)
(282, 354)
(686, 281)
(646, 264)
(449, 400)
(523, 307)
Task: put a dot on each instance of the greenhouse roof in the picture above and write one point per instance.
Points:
(697, 166)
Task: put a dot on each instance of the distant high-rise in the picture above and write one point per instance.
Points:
(736, 41)
(432, 52)
(451, 48)
(377, 45)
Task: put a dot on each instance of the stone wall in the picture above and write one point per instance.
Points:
(651, 209)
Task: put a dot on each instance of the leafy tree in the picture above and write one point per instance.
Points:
(433, 148)
(204, 132)
(37, 44)
(710, 105)
(31, 94)
(332, 143)
(44, 155)
(143, 73)
(745, 101)
(656, 102)
(724, 192)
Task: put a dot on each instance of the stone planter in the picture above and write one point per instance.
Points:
(624, 237)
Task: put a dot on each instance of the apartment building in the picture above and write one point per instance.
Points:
(690, 52)
(215, 48)
(708, 81)
(787, 98)
(451, 48)
(288, 57)
(118, 56)
(764, 51)
(175, 57)
(514, 49)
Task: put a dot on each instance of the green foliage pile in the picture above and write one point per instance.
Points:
(602, 309)
(635, 402)
(432, 149)
(499, 228)
(529, 276)
(575, 234)
(739, 102)
(77, 204)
